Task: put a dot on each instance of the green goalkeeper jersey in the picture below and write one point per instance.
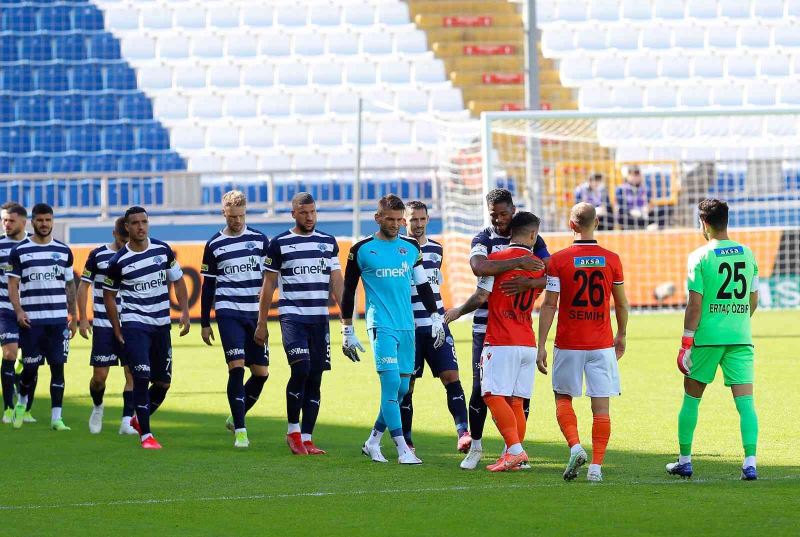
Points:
(725, 273)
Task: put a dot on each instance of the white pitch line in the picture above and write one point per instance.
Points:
(322, 494)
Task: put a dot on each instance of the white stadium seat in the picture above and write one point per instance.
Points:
(344, 102)
(292, 74)
(592, 38)
(595, 97)
(628, 96)
(572, 10)
(192, 16)
(739, 65)
(623, 37)
(325, 15)
(636, 10)
(122, 18)
(188, 136)
(376, 42)
(675, 65)
(708, 67)
(258, 75)
(188, 75)
(701, 9)
(657, 37)
(793, 8)
(661, 96)
(308, 43)
(727, 94)
(308, 103)
(754, 35)
(208, 46)
(138, 47)
(642, 66)
(241, 161)
(429, 71)
(327, 134)
(721, 36)
(240, 104)
(575, 70)
(773, 65)
(170, 106)
(413, 101)
(308, 160)
(256, 134)
(772, 9)
(760, 94)
(686, 36)
(154, 77)
(395, 72)
(426, 132)
(789, 93)
(223, 135)
(204, 162)
(206, 106)
(610, 67)
(224, 76)
(342, 43)
(604, 10)
(786, 36)
(359, 14)
(394, 132)
(360, 72)
(275, 43)
(275, 104)
(223, 15)
(734, 9)
(713, 126)
(156, 17)
(241, 45)
(174, 46)
(290, 15)
(258, 18)
(446, 100)
(291, 134)
(393, 13)
(668, 9)
(411, 42)
(555, 40)
(695, 95)
(327, 73)
(274, 161)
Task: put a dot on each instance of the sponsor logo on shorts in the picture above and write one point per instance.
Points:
(32, 359)
(731, 250)
(387, 360)
(590, 261)
(103, 358)
(297, 351)
(8, 335)
(142, 368)
(234, 352)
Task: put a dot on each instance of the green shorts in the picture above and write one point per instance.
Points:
(736, 362)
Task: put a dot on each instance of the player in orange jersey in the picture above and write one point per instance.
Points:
(586, 276)
(509, 353)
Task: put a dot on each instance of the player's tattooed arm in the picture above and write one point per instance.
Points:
(546, 315)
(264, 305)
(71, 290)
(483, 266)
(83, 294)
(473, 302)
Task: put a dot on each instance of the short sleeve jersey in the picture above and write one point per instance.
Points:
(6, 244)
(432, 263)
(142, 279)
(488, 242)
(584, 274)
(304, 264)
(43, 270)
(95, 273)
(510, 321)
(387, 270)
(237, 264)
(725, 273)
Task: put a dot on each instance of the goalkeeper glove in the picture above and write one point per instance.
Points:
(685, 353)
(437, 330)
(350, 343)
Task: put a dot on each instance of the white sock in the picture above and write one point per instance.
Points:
(575, 449)
(375, 437)
(400, 443)
(305, 437)
(749, 461)
(505, 450)
(98, 407)
(126, 420)
(515, 449)
(146, 436)
(477, 445)
(22, 400)
(55, 413)
(683, 459)
(294, 428)
(240, 430)
(594, 469)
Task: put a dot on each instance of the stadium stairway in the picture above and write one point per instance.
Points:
(482, 44)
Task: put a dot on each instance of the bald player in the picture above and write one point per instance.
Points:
(581, 280)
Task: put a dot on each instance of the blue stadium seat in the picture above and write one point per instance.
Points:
(5, 167)
(88, 18)
(57, 18)
(135, 162)
(103, 107)
(37, 48)
(7, 114)
(9, 49)
(65, 164)
(120, 76)
(49, 139)
(30, 164)
(34, 109)
(68, 108)
(70, 47)
(88, 77)
(15, 140)
(728, 182)
(19, 19)
(17, 78)
(167, 162)
(118, 138)
(119, 191)
(51, 77)
(137, 106)
(152, 136)
(104, 46)
(100, 163)
(84, 138)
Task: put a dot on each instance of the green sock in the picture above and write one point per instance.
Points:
(687, 421)
(748, 423)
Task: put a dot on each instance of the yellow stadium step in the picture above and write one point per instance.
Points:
(440, 35)
(461, 7)
(470, 78)
(493, 92)
(476, 107)
(555, 92)
(495, 63)
(482, 49)
(429, 21)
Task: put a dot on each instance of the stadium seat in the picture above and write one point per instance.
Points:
(754, 35)
(344, 43)
(138, 47)
(30, 164)
(243, 161)
(241, 45)
(84, 139)
(721, 36)
(770, 9)
(411, 42)
(100, 163)
(275, 43)
(786, 36)
(395, 132)
(276, 104)
(290, 15)
(605, 10)
(188, 136)
(595, 97)
(7, 112)
(429, 71)
(168, 162)
(9, 48)
(623, 38)
(734, 9)
(49, 140)
(15, 140)
(342, 102)
(692, 37)
(727, 94)
(52, 77)
(208, 46)
(65, 164)
(308, 103)
(591, 38)
(308, 43)
(327, 73)
(104, 46)
(33, 109)
(257, 135)
(137, 162)
(446, 100)
(395, 72)
(571, 10)
(68, 108)
(152, 136)
(701, 9)
(174, 46)
(413, 101)
(37, 48)
(258, 18)
(695, 95)
(325, 15)
(240, 104)
(675, 66)
(189, 75)
(662, 96)
(360, 72)
(87, 77)
(292, 74)
(224, 76)
(206, 106)
(642, 66)
(739, 65)
(628, 96)
(610, 67)
(17, 78)
(223, 136)
(707, 67)
(19, 18)
(358, 14)
(157, 17)
(636, 10)
(88, 18)
(136, 106)
(291, 134)
(668, 9)
(155, 77)
(657, 37)
(171, 107)
(102, 107)
(426, 132)
(327, 134)
(192, 17)
(224, 15)
(118, 137)
(258, 75)
(120, 76)
(122, 17)
(789, 93)
(555, 41)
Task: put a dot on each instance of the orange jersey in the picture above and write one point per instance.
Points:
(584, 274)
(510, 322)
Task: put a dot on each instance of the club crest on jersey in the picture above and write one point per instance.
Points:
(250, 245)
(322, 247)
(157, 260)
(590, 261)
(731, 250)
(402, 251)
(55, 257)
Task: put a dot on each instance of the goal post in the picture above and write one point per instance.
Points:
(749, 157)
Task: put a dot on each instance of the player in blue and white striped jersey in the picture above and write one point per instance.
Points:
(141, 272)
(233, 268)
(14, 217)
(106, 349)
(303, 263)
(41, 289)
(442, 361)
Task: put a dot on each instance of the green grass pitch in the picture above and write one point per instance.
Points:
(75, 483)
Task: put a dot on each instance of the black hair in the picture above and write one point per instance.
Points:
(134, 210)
(417, 205)
(13, 207)
(391, 202)
(714, 212)
(119, 227)
(524, 221)
(41, 208)
(499, 195)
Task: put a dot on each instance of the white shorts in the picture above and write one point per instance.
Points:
(508, 371)
(599, 366)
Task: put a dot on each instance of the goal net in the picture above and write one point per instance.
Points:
(646, 172)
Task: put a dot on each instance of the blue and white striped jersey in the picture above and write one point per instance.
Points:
(43, 270)
(237, 263)
(6, 244)
(95, 273)
(488, 242)
(432, 253)
(142, 279)
(304, 264)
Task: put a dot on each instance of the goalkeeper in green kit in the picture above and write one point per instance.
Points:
(723, 295)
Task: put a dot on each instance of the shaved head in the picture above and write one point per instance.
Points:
(583, 215)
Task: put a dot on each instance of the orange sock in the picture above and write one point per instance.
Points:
(503, 417)
(567, 420)
(519, 414)
(601, 432)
